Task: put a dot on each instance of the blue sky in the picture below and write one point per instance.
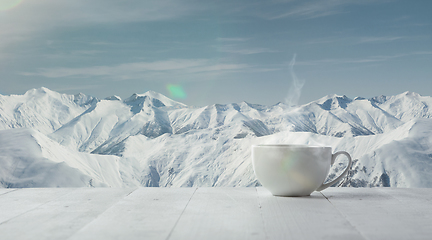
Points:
(205, 52)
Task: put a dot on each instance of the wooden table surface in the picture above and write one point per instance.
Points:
(214, 213)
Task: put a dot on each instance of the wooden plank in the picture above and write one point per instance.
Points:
(221, 213)
(147, 213)
(312, 217)
(416, 204)
(380, 215)
(419, 196)
(60, 217)
(19, 201)
(6, 190)
(214, 213)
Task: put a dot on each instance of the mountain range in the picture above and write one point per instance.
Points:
(48, 139)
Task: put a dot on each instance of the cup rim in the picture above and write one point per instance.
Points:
(304, 146)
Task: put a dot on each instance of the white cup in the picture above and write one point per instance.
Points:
(294, 170)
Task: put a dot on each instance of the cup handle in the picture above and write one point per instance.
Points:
(334, 156)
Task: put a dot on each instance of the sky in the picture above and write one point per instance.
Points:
(205, 52)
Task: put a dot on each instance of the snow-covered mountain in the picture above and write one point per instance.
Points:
(48, 139)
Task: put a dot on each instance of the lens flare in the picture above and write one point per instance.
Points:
(176, 91)
(9, 4)
(288, 163)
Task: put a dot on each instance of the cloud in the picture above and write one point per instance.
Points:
(234, 45)
(423, 53)
(86, 52)
(245, 51)
(169, 68)
(359, 39)
(38, 17)
(314, 9)
(232, 39)
(327, 40)
(75, 87)
(100, 43)
(378, 39)
(371, 59)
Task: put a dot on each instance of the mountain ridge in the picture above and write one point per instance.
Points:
(152, 140)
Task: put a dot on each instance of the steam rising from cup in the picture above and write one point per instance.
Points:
(294, 91)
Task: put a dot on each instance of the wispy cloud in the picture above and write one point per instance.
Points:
(74, 87)
(245, 51)
(132, 70)
(327, 40)
(314, 9)
(423, 53)
(86, 52)
(371, 59)
(360, 40)
(100, 43)
(38, 17)
(379, 39)
(232, 39)
(347, 60)
(239, 46)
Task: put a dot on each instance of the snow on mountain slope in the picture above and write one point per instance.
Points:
(401, 158)
(92, 128)
(41, 109)
(341, 116)
(30, 159)
(109, 122)
(210, 158)
(406, 106)
(151, 140)
(246, 117)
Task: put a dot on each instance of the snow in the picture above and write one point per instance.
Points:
(41, 109)
(30, 159)
(48, 139)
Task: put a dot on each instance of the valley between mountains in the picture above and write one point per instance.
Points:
(49, 139)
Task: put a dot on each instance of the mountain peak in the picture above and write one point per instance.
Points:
(333, 101)
(39, 91)
(379, 99)
(157, 99)
(410, 94)
(162, 146)
(332, 96)
(113, 98)
(153, 94)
